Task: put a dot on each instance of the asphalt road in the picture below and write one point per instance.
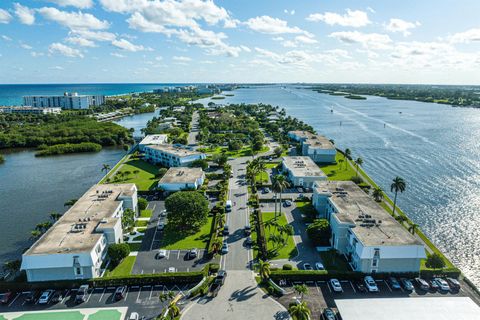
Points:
(192, 136)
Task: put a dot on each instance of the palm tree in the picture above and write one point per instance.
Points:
(301, 289)
(358, 163)
(378, 194)
(264, 269)
(12, 266)
(346, 156)
(136, 172)
(105, 167)
(299, 311)
(70, 202)
(397, 185)
(55, 216)
(413, 228)
(173, 310)
(279, 184)
(217, 245)
(35, 234)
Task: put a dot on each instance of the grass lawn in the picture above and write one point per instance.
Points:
(147, 213)
(334, 261)
(124, 268)
(144, 179)
(289, 250)
(338, 171)
(134, 246)
(174, 240)
(307, 209)
(271, 165)
(141, 223)
(141, 229)
(243, 152)
(262, 177)
(138, 238)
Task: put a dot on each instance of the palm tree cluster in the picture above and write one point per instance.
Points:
(263, 268)
(255, 167)
(280, 237)
(279, 184)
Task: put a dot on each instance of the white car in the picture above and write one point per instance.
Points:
(134, 316)
(319, 266)
(162, 253)
(160, 226)
(45, 297)
(370, 284)
(163, 213)
(172, 269)
(336, 286)
(442, 284)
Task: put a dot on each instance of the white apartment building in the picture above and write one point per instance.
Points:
(302, 171)
(29, 110)
(315, 146)
(369, 237)
(170, 156)
(152, 140)
(76, 245)
(69, 100)
(182, 178)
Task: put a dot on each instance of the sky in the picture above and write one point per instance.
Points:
(244, 41)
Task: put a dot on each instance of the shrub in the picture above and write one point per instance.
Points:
(435, 261)
(287, 266)
(117, 252)
(319, 232)
(142, 203)
(187, 210)
(214, 267)
(357, 179)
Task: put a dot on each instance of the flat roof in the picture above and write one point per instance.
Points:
(425, 308)
(370, 222)
(314, 140)
(301, 166)
(179, 152)
(181, 175)
(98, 203)
(154, 139)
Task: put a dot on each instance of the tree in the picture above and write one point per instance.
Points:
(435, 261)
(105, 167)
(117, 252)
(35, 234)
(136, 172)
(12, 266)
(358, 163)
(278, 151)
(279, 184)
(187, 210)
(299, 311)
(378, 194)
(264, 269)
(319, 232)
(142, 203)
(220, 159)
(173, 310)
(413, 228)
(55, 216)
(347, 155)
(200, 163)
(161, 172)
(300, 289)
(398, 185)
(234, 145)
(70, 202)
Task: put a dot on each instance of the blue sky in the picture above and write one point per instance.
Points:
(382, 41)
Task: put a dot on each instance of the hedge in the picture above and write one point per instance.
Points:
(149, 279)
(213, 233)
(261, 240)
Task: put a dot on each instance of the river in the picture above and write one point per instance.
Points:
(435, 148)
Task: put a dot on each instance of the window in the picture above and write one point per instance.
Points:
(78, 271)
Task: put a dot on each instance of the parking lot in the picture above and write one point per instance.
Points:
(321, 295)
(144, 300)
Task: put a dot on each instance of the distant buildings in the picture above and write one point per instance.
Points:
(302, 171)
(152, 140)
(317, 147)
(368, 236)
(181, 178)
(66, 101)
(171, 156)
(200, 89)
(75, 247)
(29, 110)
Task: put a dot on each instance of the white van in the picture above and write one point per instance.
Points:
(228, 206)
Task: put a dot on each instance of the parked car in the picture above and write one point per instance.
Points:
(171, 269)
(393, 282)
(287, 203)
(5, 297)
(57, 296)
(120, 293)
(162, 253)
(45, 297)
(249, 241)
(134, 316)
(454, 283)
(247, 229)
(301, 196)
(442, 284)
(406, 284)
(336, 286)
(370, 284)
(31, 297)
(160, 226)
(81, 294)
(221, 275)
(434, 285)
(225, 230)
(300, 189)
(192, 253)
(307, 266)
(328, 314)
(422, 284)
(319, 266)
(360, 287)
(225, 248)
(265, 190)
(164, 212)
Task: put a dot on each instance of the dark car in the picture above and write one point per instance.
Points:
(225, 230)
(120, 293)
(5, 297)
(32, 297)
(81, 294)
(249, 241)
(360, 287)
(57, 296)
(454, 283)
(192, 254)
(220, 278)
(328, 314)
(248, 230)
(393, 282)
(422, 284)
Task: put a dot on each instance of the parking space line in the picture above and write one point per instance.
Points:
(355, 291)
(388, 286)
(151, 292)
(316, 286)
(65, 298)
(138, 295)
(328, 286)
(91, 292)
(178, 256)
(102, 294)
(18, 294)
(126, 294)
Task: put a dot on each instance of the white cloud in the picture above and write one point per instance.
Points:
(294, 58)
(5, 16)
(305, 39)
(128, 46)
(291, 12)
(94, 35)
(24, 14)
(159, 58)
(26, 46)
(117, 55)
(64, 50)
(269, 25)
(36, 54)
(81, 4)
(471, 35)
(289, 44)
(368, 40)
(182, 59)
(79, 41)
(353, 18)
(399, 25)
(57, 68)
(371, 9)
(6, 38)
(245, 48)
(74, 20)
